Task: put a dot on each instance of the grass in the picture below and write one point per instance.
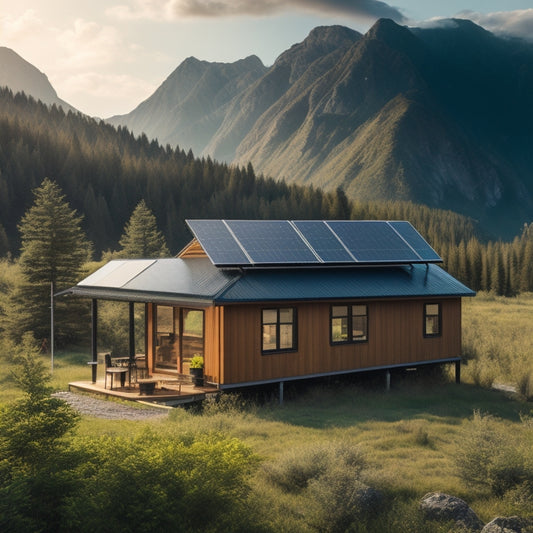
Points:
(409, 436)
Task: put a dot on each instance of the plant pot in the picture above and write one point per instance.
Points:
(197, 376)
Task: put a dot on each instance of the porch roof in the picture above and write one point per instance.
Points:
(196, 281)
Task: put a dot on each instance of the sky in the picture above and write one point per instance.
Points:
(105, 57)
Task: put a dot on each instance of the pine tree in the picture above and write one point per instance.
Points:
(53, 252)
(141, 237)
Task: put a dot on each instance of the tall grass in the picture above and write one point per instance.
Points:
(498, 343)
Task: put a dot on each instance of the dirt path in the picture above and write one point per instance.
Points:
(87, 405)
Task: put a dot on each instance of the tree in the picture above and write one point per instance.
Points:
(35, 461)
(141, 237)
(53, 252)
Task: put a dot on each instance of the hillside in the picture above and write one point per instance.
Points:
(105, 172)
(21, 76)
(439, 116)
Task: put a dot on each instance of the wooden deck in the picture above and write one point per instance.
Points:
(166, 392)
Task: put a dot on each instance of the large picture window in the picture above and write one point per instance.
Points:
(179, 335)
(278, 329)
(349, 323)
(432, 320)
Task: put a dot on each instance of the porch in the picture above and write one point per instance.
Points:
(167, 391)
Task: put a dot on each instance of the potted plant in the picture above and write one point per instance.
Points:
(196, 369)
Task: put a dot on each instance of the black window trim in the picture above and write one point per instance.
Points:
(424, 318)
(278, 350)
(350, 306)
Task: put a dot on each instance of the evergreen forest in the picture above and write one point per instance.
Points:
(105, 172)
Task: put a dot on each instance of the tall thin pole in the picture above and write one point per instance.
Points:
(52, 327)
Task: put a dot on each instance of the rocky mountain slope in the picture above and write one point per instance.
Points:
(21, 76)
(440, 116)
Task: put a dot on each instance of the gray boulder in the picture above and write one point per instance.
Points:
(510, 524)
(443, 508)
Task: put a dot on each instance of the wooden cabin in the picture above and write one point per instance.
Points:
(270, 301)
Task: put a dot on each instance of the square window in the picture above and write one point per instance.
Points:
(348, 323)
(279, 329)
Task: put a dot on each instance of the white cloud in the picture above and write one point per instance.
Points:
(21, 27)
(180, 9)
(87, 44)
(517, 23)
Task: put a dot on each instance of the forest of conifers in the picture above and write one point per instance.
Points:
(104, 172)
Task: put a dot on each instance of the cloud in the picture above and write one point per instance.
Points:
(517, 23)
(180, 9)
(87, 44)
(18, 28)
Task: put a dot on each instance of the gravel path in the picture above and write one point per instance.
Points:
(87, 405)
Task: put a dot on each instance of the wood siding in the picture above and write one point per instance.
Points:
(395, 336)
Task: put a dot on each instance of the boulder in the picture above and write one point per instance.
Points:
(443, 507)
(510, 524)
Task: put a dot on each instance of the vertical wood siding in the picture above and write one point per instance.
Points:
(395, 336)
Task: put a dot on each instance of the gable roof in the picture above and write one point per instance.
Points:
(196, 281)
(350, 260)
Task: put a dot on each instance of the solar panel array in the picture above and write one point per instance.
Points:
(311, 242)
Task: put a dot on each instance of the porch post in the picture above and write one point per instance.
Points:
(94, 336)
(387, 380)
(281, 392)
(458, 372)
(132, 331)
(132, 339)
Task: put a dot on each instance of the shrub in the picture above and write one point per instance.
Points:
(489, 457)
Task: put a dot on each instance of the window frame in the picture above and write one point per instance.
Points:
(350, 323)
(278, 324)
(427, 315)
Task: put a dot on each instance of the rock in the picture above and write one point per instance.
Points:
(510, 524)
(443, 507)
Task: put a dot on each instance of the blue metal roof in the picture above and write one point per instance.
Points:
(343, 283)
(198, 281)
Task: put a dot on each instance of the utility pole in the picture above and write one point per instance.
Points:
(52, 327)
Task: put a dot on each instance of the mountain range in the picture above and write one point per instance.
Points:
(440, 116)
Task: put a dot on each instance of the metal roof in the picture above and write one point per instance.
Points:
(343, 283)
(196, 281)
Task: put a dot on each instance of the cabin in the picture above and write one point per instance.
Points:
(268, 301)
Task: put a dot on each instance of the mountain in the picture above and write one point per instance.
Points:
(191, 102)
(440, 116)
(21, 76)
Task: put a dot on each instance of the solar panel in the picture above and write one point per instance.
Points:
(310, 242)
(415, 240)
(323, 241)
(373, 242)
(271, 242)
(218, 242)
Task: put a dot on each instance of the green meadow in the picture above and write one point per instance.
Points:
(425, 434)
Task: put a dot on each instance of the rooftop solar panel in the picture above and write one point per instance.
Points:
(271, 242)
(415, 240)
(323, 241)
(246, 243)
(373, 242)
(218, 242)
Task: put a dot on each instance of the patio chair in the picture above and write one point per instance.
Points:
(113, 371)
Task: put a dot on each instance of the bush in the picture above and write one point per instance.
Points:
(489, 457)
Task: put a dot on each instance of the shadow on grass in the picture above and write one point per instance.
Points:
(351, 400)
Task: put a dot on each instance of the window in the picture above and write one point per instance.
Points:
(279, 329)
(179, 334)
(349, 323)
(432, 320)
